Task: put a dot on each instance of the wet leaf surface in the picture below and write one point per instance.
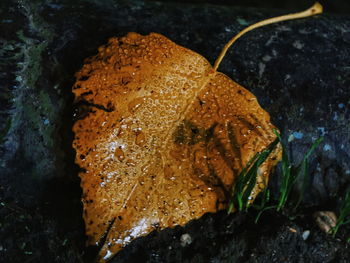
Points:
(164, 139)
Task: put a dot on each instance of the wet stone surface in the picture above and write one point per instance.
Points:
(299, 70)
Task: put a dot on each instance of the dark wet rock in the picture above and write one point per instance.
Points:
(299, 70)
(236, 238)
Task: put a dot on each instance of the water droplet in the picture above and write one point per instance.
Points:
(130, 162)
(246, 146)
(144, 168)
(134, 105)
(248, 96)
(141, 180)
(199, 156)
(244, 131)
(140, 138)
(107, 255)
(119, 153)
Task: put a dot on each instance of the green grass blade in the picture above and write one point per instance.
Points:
(238, 187)
(313, 147)
(302, 171)
(252, 173)
(264, 199)
(289, 177)
(262, 211)
(344, 213)
(246, 180)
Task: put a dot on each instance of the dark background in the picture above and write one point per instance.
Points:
(330, 6)
(299, 70)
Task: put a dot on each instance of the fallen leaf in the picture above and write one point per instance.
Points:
(163, 137)
(164, 140)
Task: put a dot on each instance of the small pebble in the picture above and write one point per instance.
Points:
(185, 240)
(325, 220)
(305, 235)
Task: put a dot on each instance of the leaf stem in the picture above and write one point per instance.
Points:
(313, 10)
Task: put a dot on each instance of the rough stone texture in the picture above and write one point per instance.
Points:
(299, 70)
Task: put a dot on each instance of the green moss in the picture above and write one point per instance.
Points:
(36, 107)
